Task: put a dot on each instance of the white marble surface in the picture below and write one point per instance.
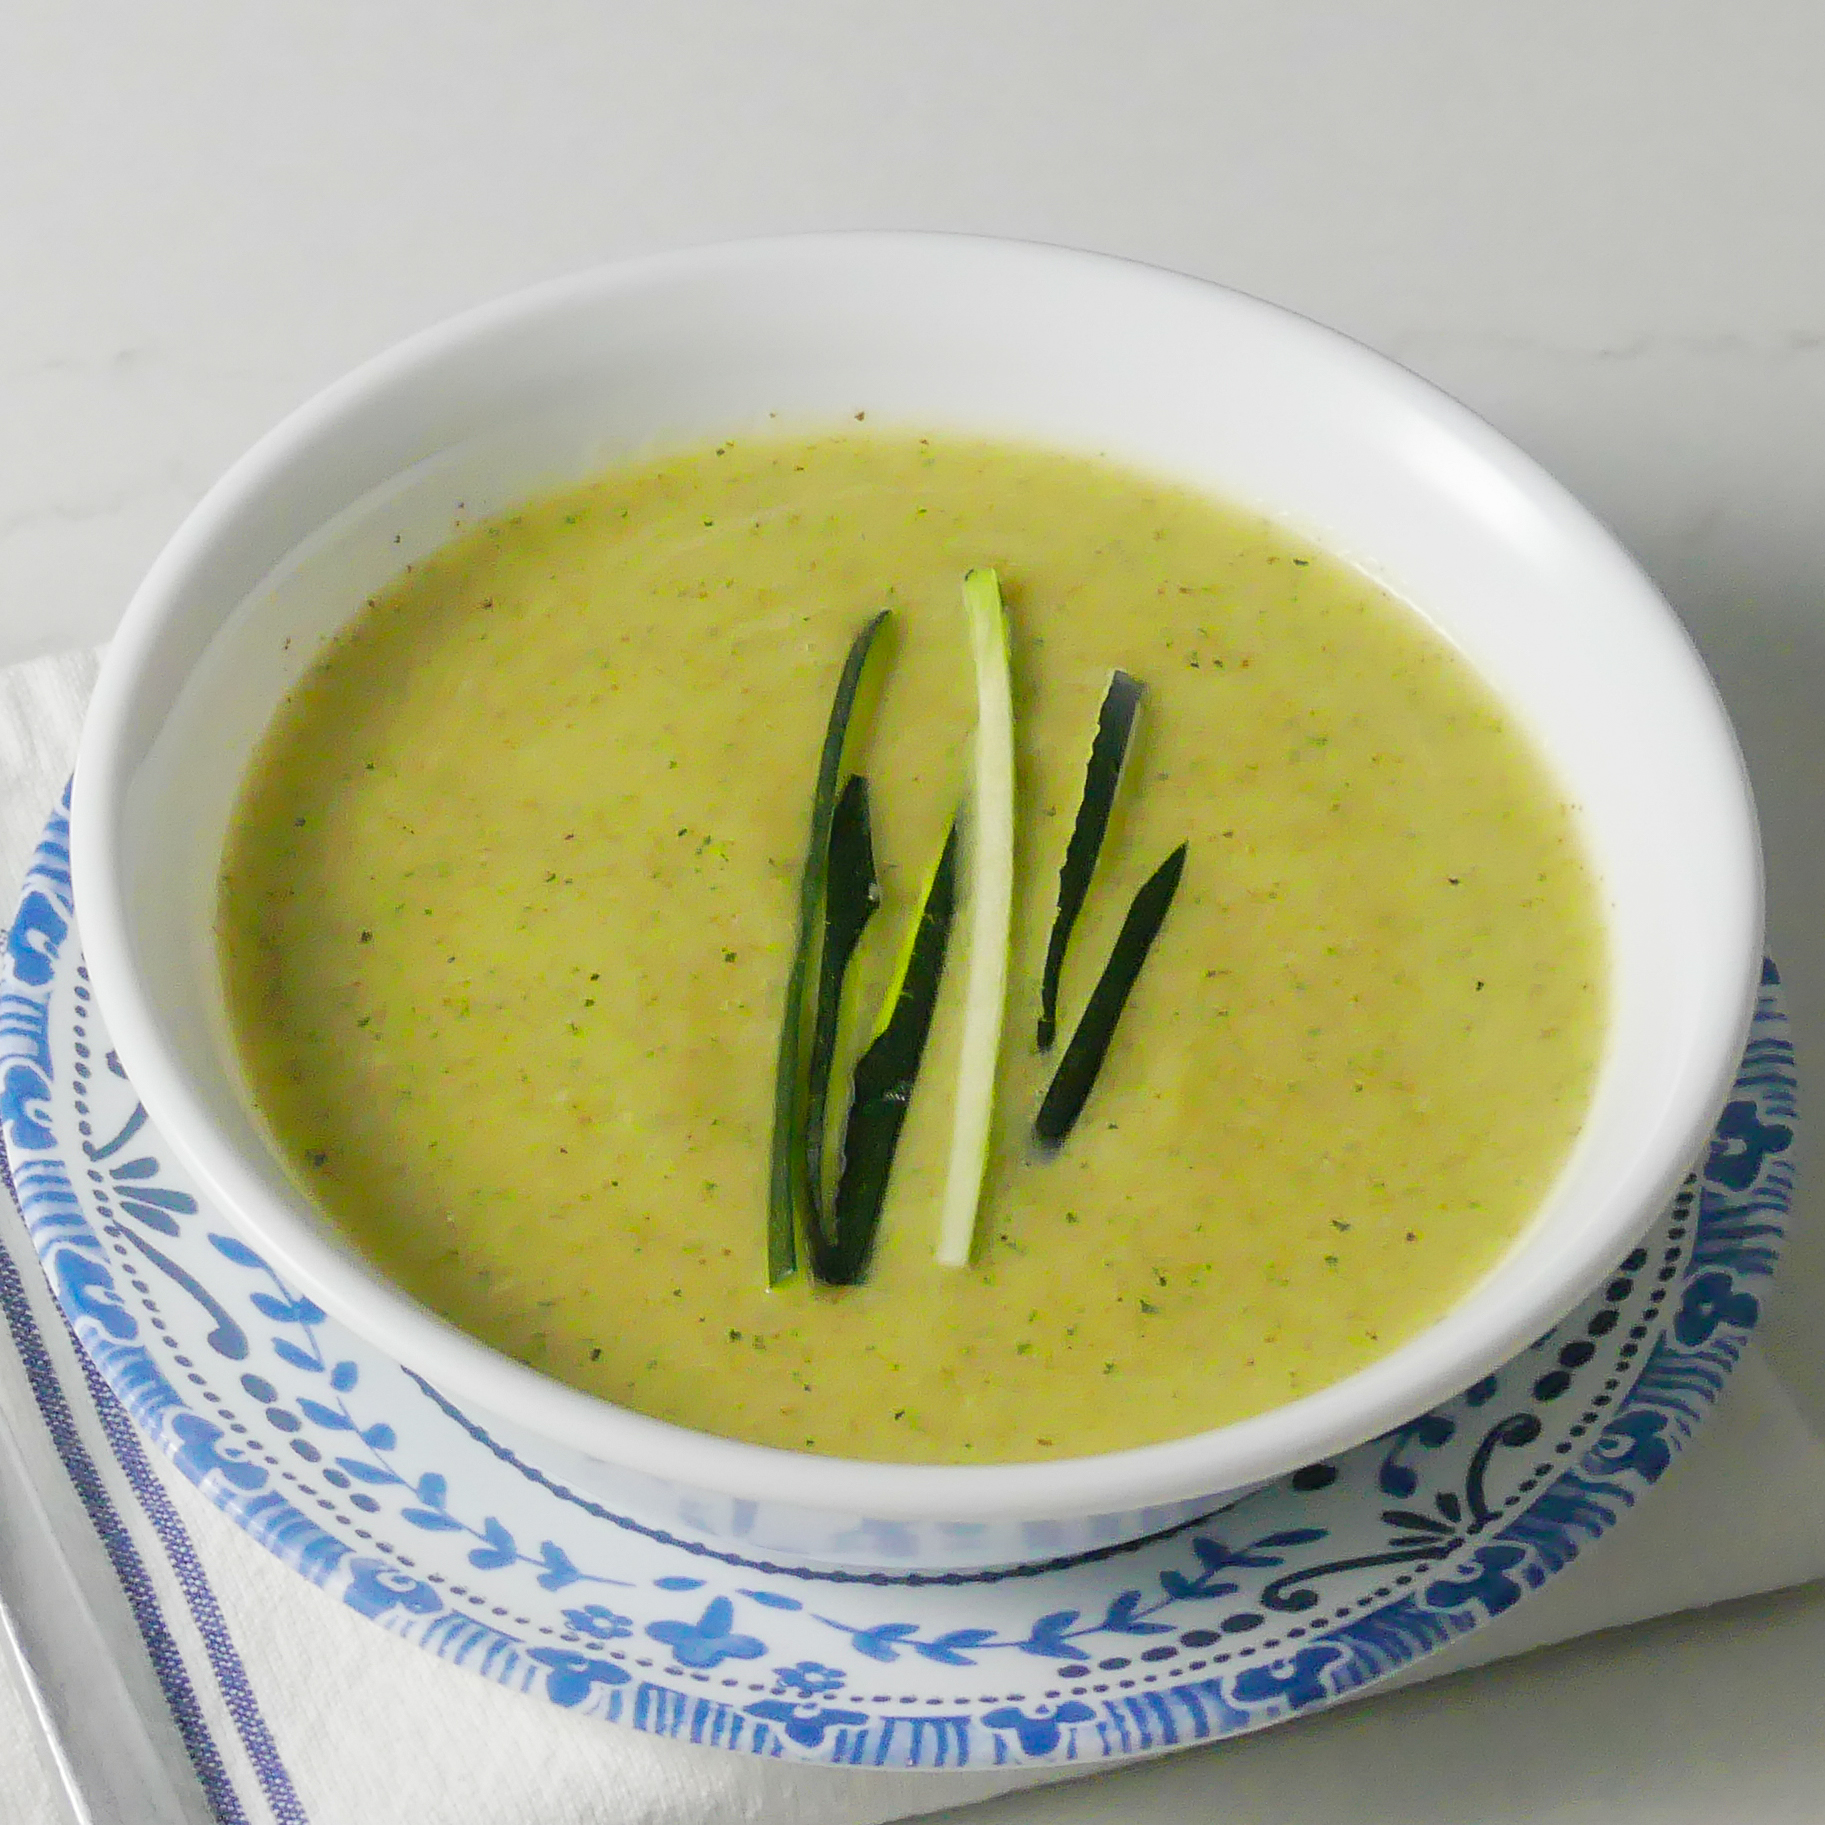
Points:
(1602, 225)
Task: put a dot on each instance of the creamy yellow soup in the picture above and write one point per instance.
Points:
(509, 905)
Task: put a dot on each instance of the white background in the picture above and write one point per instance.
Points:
(1601, 223)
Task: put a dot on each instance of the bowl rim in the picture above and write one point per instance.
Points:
(470, 1371)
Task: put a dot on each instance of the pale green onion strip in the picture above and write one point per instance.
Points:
(989, 881)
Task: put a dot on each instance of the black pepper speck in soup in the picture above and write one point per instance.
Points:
(511, 894)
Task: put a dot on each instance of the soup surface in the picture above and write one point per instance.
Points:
(510, 902)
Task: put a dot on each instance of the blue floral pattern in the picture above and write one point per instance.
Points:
(1710, 1300)
(370, 1484)
(1040, 1734)
(1296, 1682)
(599, 1622)
(708, 1641)
(375, 1587)
(1634, 1443)
(809, 1678)
(571, 1678)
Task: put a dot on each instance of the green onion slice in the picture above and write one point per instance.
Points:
(884, 1079)
(851, 894)
(1102, 777)
(785, 1180)
(1089, 1046)
(990, 881)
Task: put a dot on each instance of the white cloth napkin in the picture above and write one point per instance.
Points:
(294, 1709)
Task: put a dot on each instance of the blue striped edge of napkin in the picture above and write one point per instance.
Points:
(194, 1688)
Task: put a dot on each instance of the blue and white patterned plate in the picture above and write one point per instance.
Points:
(376, 1488)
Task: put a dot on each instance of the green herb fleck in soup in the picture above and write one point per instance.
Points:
(510, 904)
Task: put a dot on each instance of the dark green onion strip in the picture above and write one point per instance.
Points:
(1089, 1046)
(789, 1111)
(851, 894)
(1102, 776)
(883, 1085)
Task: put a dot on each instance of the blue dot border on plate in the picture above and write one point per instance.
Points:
(384, 1494)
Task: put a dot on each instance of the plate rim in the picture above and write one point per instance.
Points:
(1600, 1484)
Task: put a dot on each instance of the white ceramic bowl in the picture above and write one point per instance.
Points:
(1068, 349)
